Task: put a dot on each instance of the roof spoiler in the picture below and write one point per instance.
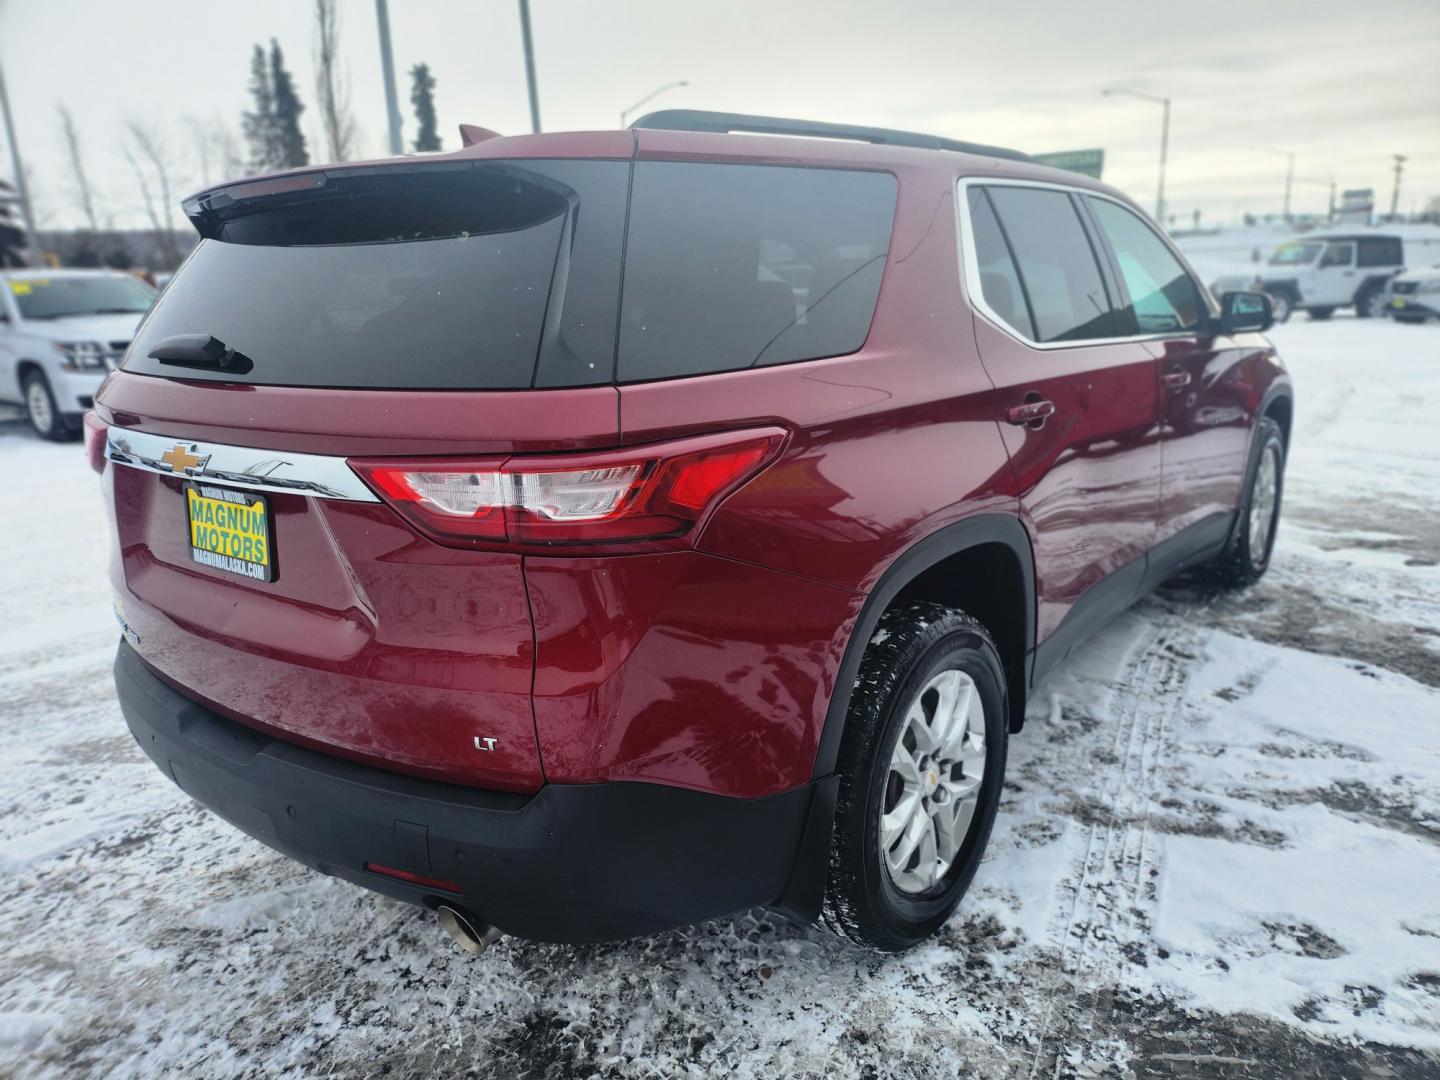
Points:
(724, 123)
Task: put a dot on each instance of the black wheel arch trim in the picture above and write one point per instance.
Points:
(954, 539)
(1281, 388)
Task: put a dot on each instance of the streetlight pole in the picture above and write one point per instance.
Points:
(1164, 103)
(530, 66)
(32, 242)
(387, 66)
(653, 94)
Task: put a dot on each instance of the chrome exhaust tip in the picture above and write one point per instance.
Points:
(465, 930)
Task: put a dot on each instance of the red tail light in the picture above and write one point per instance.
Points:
(96, 431)
(638, 494)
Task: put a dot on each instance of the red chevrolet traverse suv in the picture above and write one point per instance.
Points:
(586, 534)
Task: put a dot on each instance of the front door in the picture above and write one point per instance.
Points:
(1332, 282)
(1081, 414)
(1205, 400)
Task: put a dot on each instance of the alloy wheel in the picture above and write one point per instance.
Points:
(933, 786)
(1264, 503)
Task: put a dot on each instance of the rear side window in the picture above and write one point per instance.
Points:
(1380, 251)
(1163, 296)
(738, 266)
(1056, 263)
(489, 275)
(999, 281)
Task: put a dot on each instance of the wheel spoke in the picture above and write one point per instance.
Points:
(910, 839)
(918, 725)
(893, 823)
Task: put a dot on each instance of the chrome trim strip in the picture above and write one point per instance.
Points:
(239, 466)
(970, 264)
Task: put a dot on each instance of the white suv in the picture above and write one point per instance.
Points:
(60, 332)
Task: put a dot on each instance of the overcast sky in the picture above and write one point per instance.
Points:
(1345, 85)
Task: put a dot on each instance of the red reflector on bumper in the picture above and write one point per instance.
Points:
(413, 879)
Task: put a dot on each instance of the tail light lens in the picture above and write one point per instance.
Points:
(653, 493)
(96, 432)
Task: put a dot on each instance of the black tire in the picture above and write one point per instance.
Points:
(1239, 564)
(47, 422)
(1412, 320)
(1320, 314)
(1370, 301)
(915, 641)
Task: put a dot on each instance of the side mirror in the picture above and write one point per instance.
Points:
(1245, 312)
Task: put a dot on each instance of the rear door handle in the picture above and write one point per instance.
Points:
(1174, 380)
(1033, 413)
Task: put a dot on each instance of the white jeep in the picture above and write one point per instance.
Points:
(1321, 272)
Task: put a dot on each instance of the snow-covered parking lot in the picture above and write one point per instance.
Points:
(1218, 855)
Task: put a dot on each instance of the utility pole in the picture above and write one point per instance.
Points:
(1164, 102)
(530, 66)
(32, 242)
(1400, 160)
(387, 68)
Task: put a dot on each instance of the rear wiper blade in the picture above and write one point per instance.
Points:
(201, 351)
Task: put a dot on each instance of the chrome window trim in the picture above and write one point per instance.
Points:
(247, 467)
(970, 264)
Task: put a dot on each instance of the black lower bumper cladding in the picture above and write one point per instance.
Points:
(570, 863)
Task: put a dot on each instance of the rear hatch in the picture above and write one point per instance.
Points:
(451, 309)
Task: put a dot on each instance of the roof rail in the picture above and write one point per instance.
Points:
(701, 120)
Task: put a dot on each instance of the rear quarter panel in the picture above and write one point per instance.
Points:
(721, 680)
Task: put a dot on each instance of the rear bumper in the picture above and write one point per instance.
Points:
(570, 863)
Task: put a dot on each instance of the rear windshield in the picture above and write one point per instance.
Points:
(739, 266)
(445, 278)
(504, 275)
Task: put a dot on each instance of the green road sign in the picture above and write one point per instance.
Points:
(1085, 162)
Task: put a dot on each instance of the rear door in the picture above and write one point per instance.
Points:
(408, 312)
(1081, 415)
(1205, 396)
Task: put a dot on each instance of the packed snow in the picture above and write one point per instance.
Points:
(1218, 852)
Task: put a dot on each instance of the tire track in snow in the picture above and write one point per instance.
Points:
(1110, 894)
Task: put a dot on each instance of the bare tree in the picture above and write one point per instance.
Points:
(79, 178)
(217, 150)
(332, 88)
(145, 151)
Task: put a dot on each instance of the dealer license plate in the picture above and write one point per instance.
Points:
(230, 531)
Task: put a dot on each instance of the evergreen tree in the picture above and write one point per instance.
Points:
(259, 123)
(289, 141)
(422, 96)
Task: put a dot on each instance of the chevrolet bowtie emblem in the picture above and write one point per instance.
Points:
(182, 461)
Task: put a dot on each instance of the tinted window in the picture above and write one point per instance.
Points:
(1062, 281)
(999, 283)
(1380, 251)
(443, 278)
(1163, 297)
(736, 266)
